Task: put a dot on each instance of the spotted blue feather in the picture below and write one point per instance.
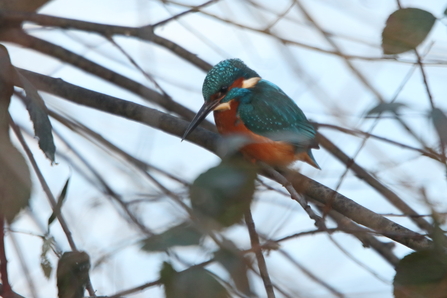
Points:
(223, 74)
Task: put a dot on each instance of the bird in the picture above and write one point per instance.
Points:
(274, 128)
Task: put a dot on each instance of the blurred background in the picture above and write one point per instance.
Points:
(326, 55)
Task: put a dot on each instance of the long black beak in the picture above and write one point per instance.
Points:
(207, 107)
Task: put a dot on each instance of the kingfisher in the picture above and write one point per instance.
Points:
(274, 128)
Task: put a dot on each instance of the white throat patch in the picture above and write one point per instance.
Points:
(251, 82)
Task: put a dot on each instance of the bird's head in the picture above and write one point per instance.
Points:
(221, 85)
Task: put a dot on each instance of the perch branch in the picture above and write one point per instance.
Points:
(209, 140)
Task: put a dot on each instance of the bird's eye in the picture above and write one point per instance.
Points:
(222, 91)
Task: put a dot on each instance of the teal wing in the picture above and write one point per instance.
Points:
(268, 111)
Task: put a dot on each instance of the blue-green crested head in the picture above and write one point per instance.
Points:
(223, 74)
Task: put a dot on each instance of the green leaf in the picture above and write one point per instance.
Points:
(45, 264)
(184, 234)
(72, 274)
(421, 274)
(440, 122)
(60, 201)
(405, 29)
(385, 106)
(236, 265)
(39, 116)
(191, 283)
(223, 193)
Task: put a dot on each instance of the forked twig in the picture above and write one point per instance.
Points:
(278, 177)
(49, 194)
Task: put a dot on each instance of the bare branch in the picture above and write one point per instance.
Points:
(311, 275)
(144, 33)
(49, 194)
(209, 141)
(6, 287)
(319, 222)
(254, 238)
(357, 212)
(426, 152)
(373, 182)
(136, 289)
(20, 37)
(191, 10)
(356, 72)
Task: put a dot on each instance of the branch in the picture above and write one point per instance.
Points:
(25, 269)
(145, 33)
(319, 222)
(136, 289)
(254, 239)
(49, 194)
(119, 107)
(310, 275)
(356, 72)
(356, 212)
(106, 188)
(99, 139)
(374, 183)
(347, 226)
(14, 294)
(430, 98)
(428, 152)
(6, 288)
(20, 37)
(193, 9)
(364, 235)
(44, 184)
(209, 140)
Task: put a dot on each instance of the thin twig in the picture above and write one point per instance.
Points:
(358, 262)
(107, 189)
(6, 289)
(25, 270)
(429, 152)
(136, 289)
(432, 104)
(146, 33)
(368, 178)
(355, 71)
(424, 77)
(88, 133)
(193, 9)
(280, 17)
(368, 134)
(134, 63)
(319, 222)
(44, 184)
(312, 276)
(166, 191)
(366, 236)
(58, 52)
(356, 212)
(49, 194)
(208, 140)
(254, 238)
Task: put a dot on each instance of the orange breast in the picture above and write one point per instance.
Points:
(261, 148)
